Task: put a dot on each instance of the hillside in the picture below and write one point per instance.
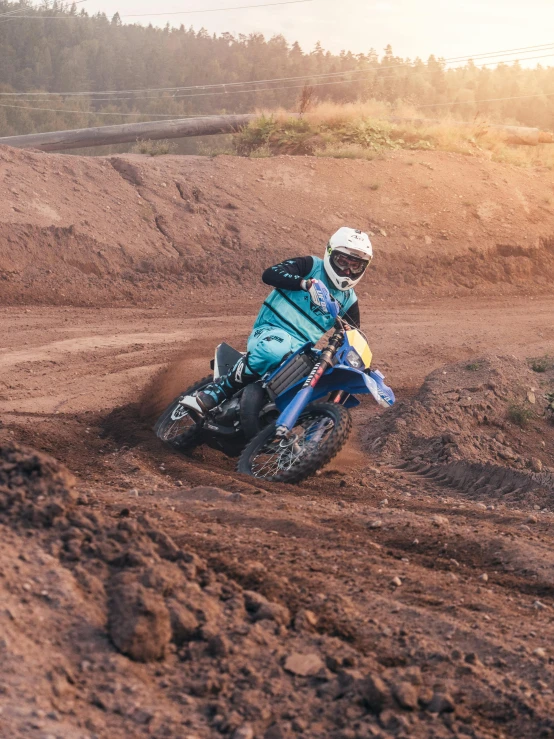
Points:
(135, 230)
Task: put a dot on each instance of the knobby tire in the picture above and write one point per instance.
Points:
(189, 437)
(307, 465)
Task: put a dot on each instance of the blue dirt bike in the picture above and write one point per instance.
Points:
(296, 418)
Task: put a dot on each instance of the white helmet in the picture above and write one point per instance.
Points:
(347, 257)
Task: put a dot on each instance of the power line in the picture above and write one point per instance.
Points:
(170, 115)
(147, 15)
(450, 60)
(268, 89)
(289, 87)
(93, 112)
(283, 87)
(23, 9)
(14, 12)
(487, 100)
(294, 87)
(10, 15)
(213, 10)
(286, 87)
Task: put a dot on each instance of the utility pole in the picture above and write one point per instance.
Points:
(129, 132)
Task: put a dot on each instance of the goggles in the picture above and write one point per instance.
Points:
(346, 264)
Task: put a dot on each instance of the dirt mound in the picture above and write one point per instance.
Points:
(135, 230)
(229, 659)
(482, 426)
(505, 266)
(33, 486)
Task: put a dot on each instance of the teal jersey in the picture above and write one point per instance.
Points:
(293, 310)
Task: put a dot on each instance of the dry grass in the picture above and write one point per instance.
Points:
(541, 364)
(522, 156)
(345, 151)
(261, 152)
(154, 148)
(335, 114)
(362, 130)
(206, 150)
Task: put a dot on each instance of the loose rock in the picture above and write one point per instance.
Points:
(441, 703)
(303, 664)
(536, 465)
(184, 624)
(244, 732)
(406, 695)
(375, 693)
(138, 622)
(260, 608)
(305, 620)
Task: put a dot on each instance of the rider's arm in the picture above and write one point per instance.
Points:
(352, 315)
(288, 275)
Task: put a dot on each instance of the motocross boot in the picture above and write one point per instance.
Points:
(225, 387)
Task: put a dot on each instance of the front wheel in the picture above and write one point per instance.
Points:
(178, 426)
(319, 434)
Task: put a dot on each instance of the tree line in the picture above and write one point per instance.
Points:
(77, 52)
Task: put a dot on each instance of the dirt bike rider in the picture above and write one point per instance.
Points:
(292, 315)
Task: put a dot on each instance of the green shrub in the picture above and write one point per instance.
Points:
(520, 414)
(154, 148)
(255, 135)
(541, 364)
(261, 152)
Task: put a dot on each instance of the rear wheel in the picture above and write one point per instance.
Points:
(178, 426)
(319, 434)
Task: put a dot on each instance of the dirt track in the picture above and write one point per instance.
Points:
(331, 546)
(162, 594)
(77, 360)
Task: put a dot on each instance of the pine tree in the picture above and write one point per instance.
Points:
(97, 54)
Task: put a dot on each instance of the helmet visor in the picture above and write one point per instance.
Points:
(347, 265)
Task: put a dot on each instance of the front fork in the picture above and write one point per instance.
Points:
(289, 417)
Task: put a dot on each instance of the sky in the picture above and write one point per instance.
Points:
(447, 28)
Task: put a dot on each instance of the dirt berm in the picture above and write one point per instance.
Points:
(136, 230)
(483, 427)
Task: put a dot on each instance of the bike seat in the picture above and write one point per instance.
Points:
(225, 359)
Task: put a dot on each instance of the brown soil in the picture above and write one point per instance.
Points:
(483, 427)
(407, 591)
(132, 230)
